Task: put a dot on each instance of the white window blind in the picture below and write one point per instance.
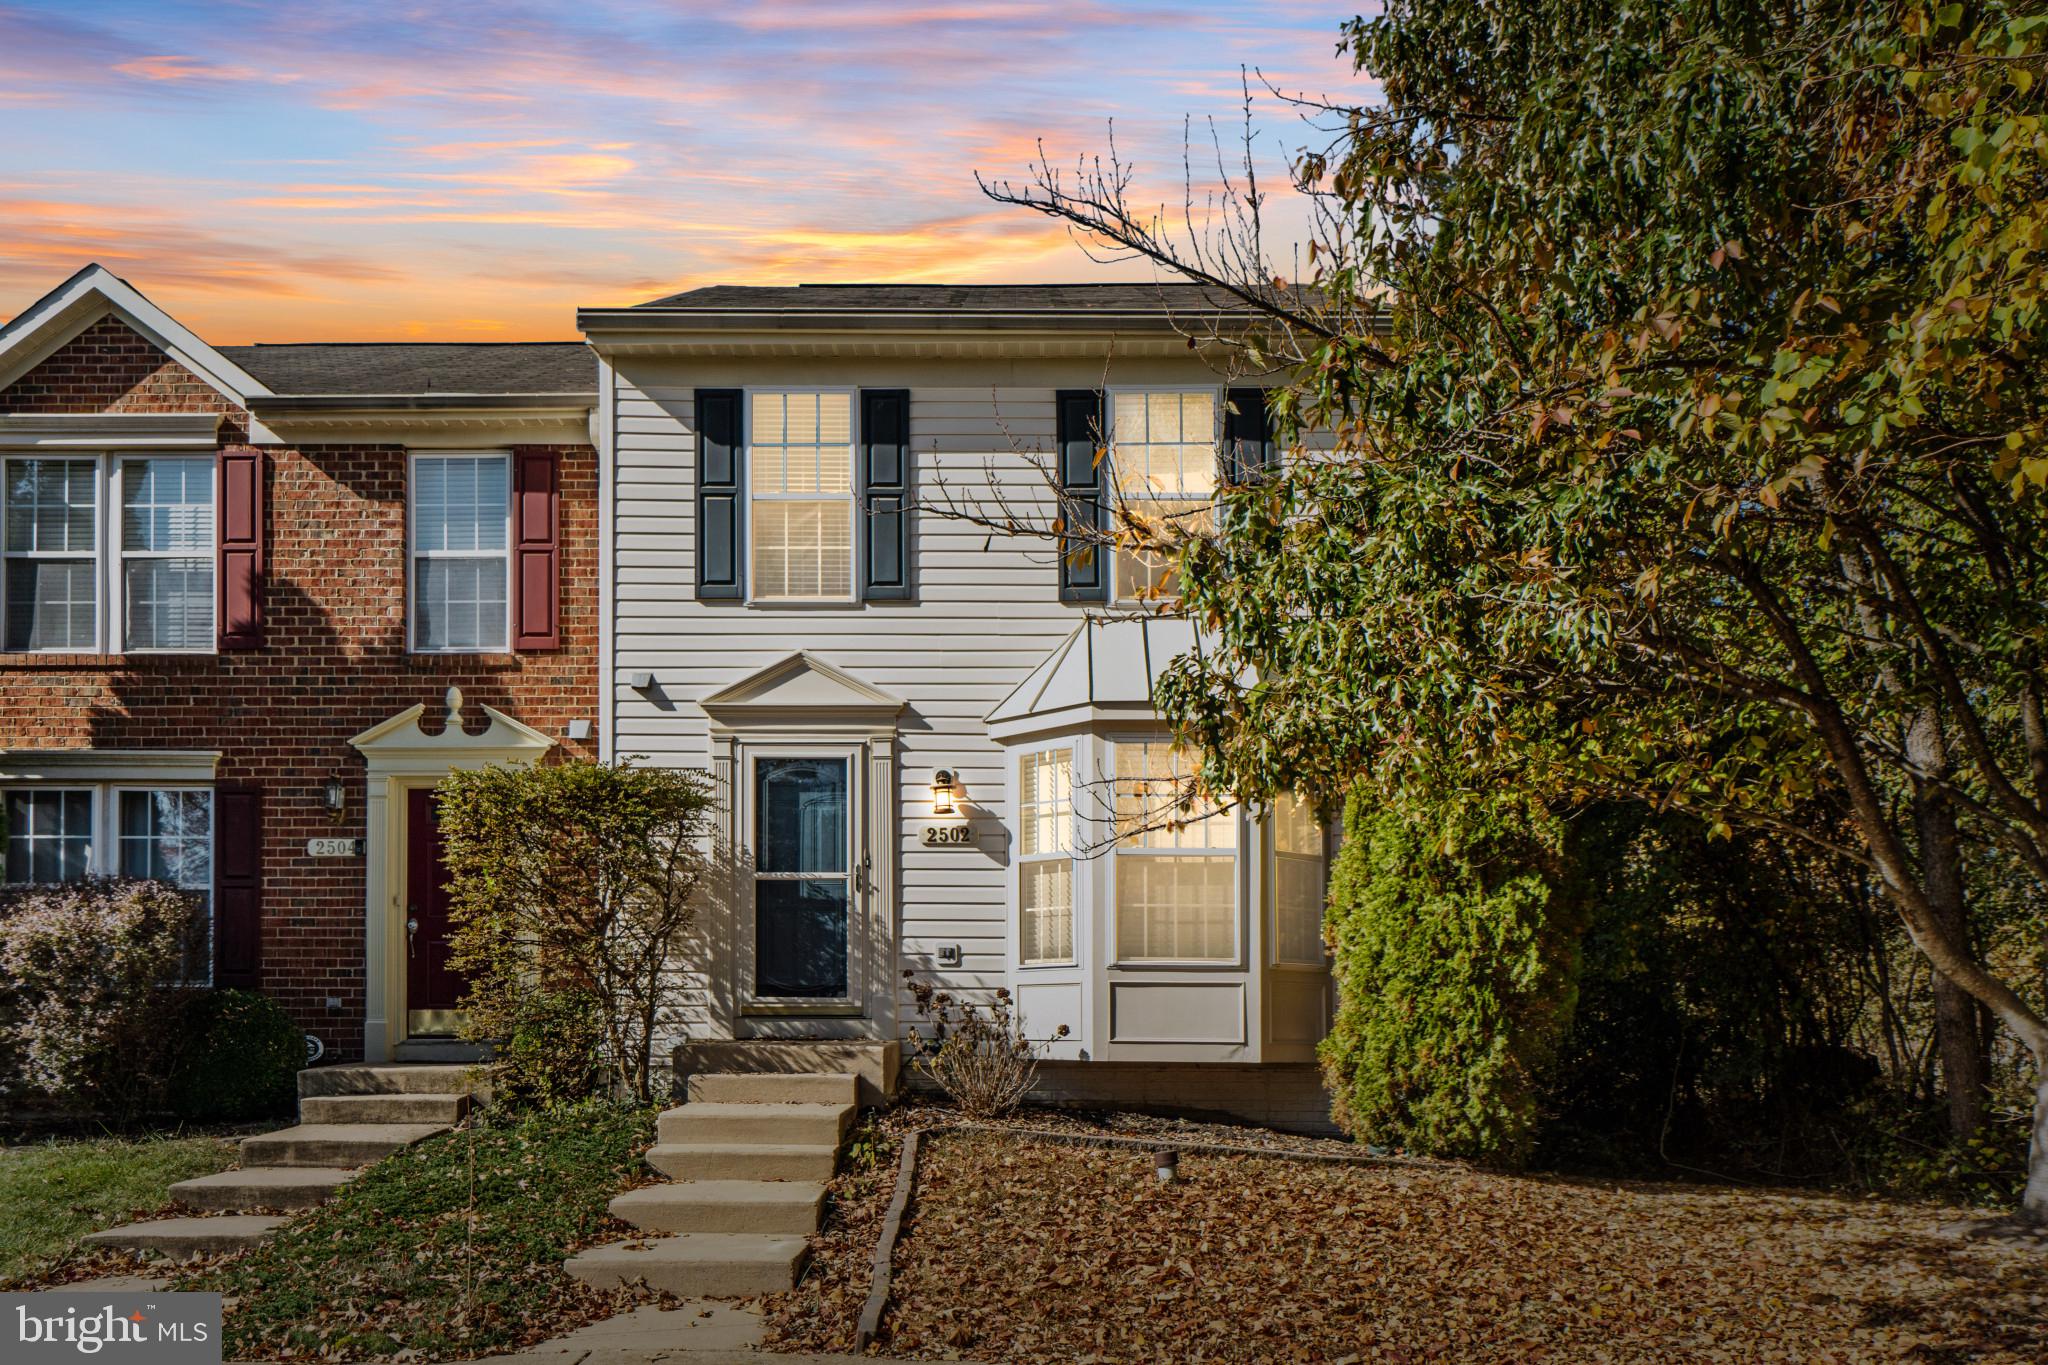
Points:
(51, 545)
(1299, 878)
(1045, 820)
(1163, 454)
(800, 470)
(167, 550)
(461, 514)
(1176, 864)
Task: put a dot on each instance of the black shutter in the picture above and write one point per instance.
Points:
(238, 887)
(1248, 450)
(1084, 561)
(885, 495)
(719, 457)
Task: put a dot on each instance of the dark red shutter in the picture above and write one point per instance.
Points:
(241, 549)
(536, 549)
(238, 887)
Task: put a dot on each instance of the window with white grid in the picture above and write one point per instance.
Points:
(1045, 862)
(52, 550)
(1299, 877)
(1175, 862)
(166, 835)
(461, 553)
(167, 551)
(800, 487)
(1163, 451)
(49, 836)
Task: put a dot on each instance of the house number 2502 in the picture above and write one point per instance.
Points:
(948, 836)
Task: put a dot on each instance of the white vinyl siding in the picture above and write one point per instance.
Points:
(1298, 881)
(167, 548)
(1175, 869)
(461, 553)
(52, 553)
(800, 503)
(1045, 869)
(1163, 453)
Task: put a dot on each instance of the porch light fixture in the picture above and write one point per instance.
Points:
(335, 796)
(942, 792)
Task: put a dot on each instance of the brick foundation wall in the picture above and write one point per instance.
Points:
(333, 663)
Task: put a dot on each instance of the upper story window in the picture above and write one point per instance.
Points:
(801, 517)
(1163, 445)
(1300, 875)
(1045, 862)
(461, 553)
(1176, 868)
(75, 584)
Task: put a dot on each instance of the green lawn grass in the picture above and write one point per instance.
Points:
(451, 1249)
(52, 1193)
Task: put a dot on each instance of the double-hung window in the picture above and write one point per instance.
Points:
(75, 584)
(801, 518)
(1045, 863)
(1163, 445)
(66, 834)
(461, 553)
(1175, 863)
(1299, 875)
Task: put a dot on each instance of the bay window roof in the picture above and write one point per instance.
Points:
(1103, 673)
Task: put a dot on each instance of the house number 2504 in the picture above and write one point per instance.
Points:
(948, 836)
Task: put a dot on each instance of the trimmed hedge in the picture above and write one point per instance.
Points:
(239, 1058)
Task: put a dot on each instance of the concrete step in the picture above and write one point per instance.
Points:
(743, 1161)
(809, 1124)
(813, 1088)
(392, 1080)
(383, 1108)
(262, 1187)
(696, 1265)
(335, 1144)
(183, 1237)
(789, 1207)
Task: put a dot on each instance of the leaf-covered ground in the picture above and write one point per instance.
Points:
(451, 1249)
(1029, 1251)
(52, 1193)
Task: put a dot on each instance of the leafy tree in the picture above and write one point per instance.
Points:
(573, 889)
(1681, 363)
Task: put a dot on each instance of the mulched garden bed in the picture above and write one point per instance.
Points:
(1023, 1250)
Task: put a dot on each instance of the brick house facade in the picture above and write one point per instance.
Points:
(82, 375)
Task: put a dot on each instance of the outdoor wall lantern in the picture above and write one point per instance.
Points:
(335, 796)
(942, 792)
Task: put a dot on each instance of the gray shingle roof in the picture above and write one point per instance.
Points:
(493, 367)
(947, 298)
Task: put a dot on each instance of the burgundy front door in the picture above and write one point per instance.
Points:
(433, 989)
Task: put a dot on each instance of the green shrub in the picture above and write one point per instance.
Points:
(552, 1055)
(1456, 926)
(239, 1058)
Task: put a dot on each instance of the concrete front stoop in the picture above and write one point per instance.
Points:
(350, 1117)
(748, 1157)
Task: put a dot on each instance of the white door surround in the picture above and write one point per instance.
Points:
(402, 757)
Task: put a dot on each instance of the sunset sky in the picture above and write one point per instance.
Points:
(473, 171)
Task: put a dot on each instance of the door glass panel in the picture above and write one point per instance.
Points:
(802, 893)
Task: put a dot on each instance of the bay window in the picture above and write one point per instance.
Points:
(461, 553)
(801, 499)
(1045, 864)
(75, 584)
(1175, 868)
(1298, 881)
(1163, 445)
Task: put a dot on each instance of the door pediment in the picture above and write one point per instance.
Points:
(399, 745)
(802, 688)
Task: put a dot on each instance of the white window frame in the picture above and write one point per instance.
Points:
(103, 850)
(1118, 556)
(852, 496)
(1321, 961)
(1064, 852)
(413, 555)
(1118, 849)
(108, 557)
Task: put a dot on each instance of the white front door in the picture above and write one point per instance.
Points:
(804, 863)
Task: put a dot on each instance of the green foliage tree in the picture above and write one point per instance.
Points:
(1682, 366)
(1455, 929)
(573, 891)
